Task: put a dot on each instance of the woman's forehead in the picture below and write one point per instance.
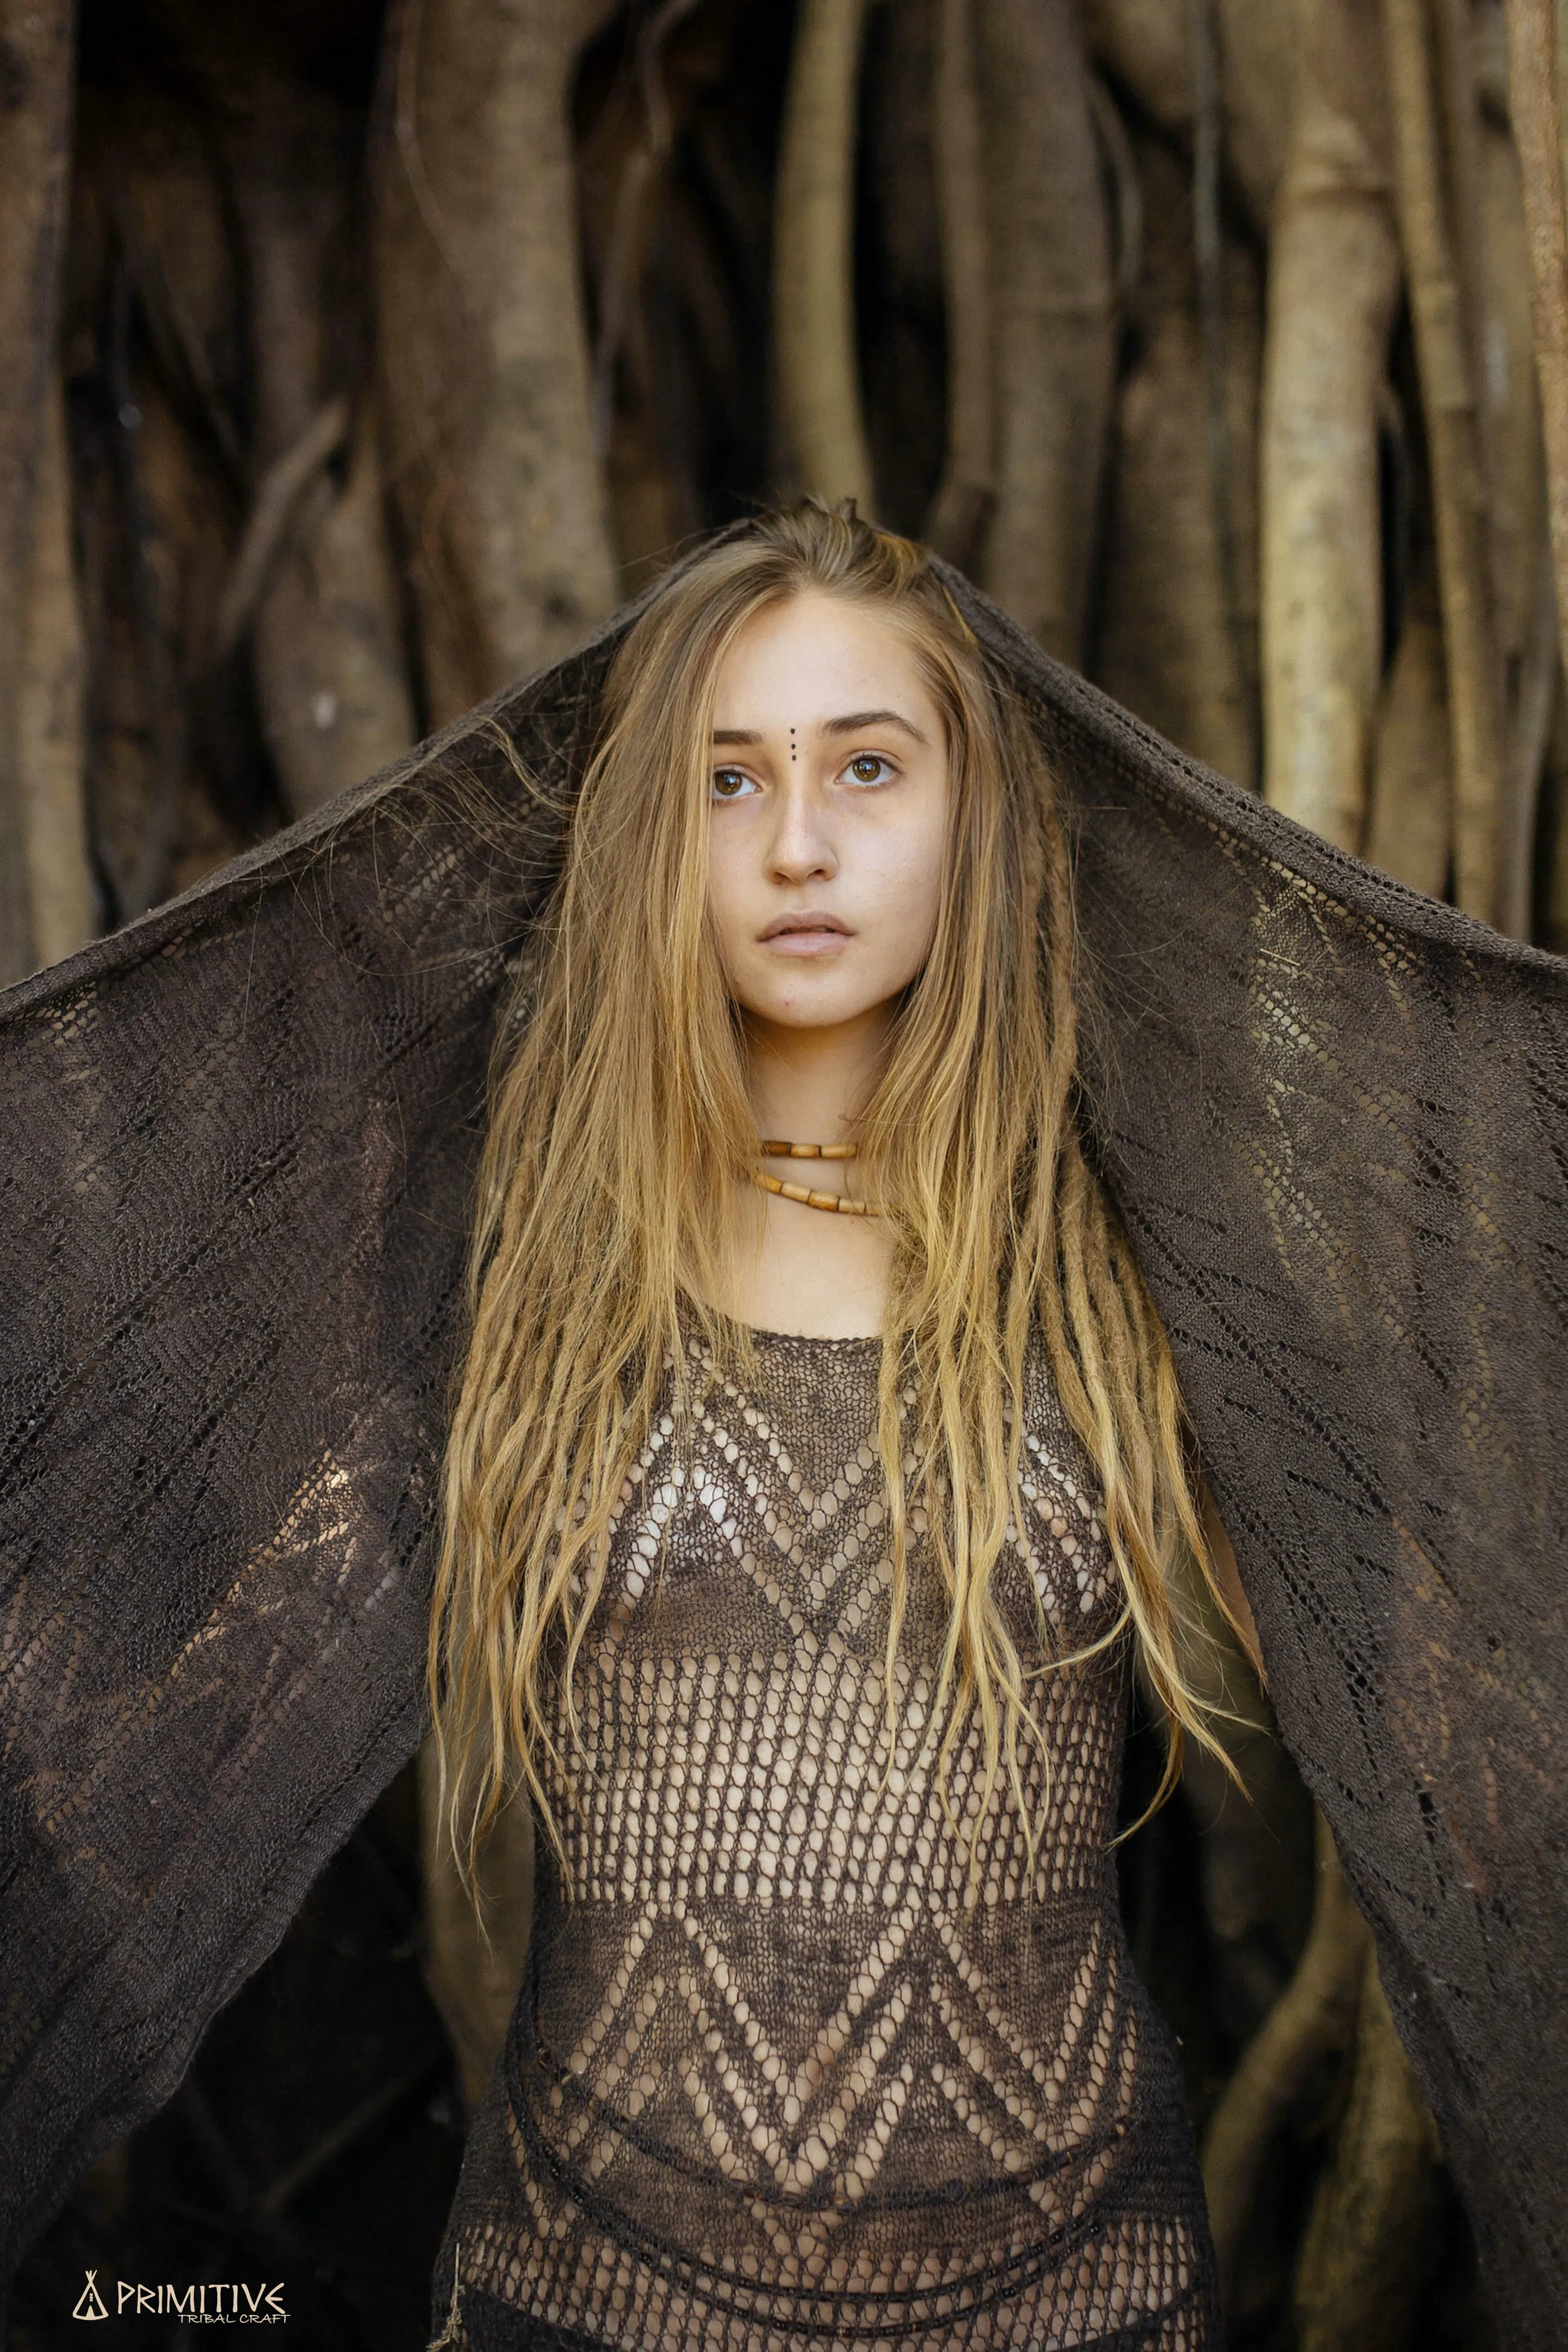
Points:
(817, 659)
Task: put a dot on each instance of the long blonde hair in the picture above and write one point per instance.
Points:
(620, 1123)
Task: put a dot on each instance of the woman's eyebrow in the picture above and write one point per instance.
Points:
(849, 724)
(853, 721)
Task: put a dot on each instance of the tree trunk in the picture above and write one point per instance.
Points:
(1411, 832)
(1148, 46)
(1523, 591)
(60, 875)
(1535, 71)
(1476, 705)
(1053, 313)
(1360, 2269)
(814, 259)
(966, 497)
(1175, 660)
(1333, 282)
(326, 639)
(35, 66)
(481, 342)
(1313, 2016)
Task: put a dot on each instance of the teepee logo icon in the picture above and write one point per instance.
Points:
(89, 2302)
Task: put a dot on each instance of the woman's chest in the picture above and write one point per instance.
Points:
(738, 1729)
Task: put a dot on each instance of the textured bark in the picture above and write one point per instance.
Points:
(1535, 103)
(1175, 658)
(1552, 927)
(325, 635)
(1523, 590)
(1476, 704)
(60, 877)
(1053, 314)
(963, 508)
(1411, 832)
(1313, 2017)
(35, 60)
(1360, 2269)
(654, 276)
(473, 1963)
(481, 342)
(814, 290)
(1147, 45)
(1333, 281)
(155, 351)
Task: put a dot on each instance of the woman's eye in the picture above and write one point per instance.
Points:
(730, 783)
(868, 767)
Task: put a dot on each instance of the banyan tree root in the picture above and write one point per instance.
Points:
(1177, 660)
(966, 496)
(36, 61)
(1313, 2017)
(325, 635)
(1054, 316)
(1437, 299)
(1148, 46)
(813, 297)
(1553, 913)
(1523, 588)
(58, 872)
(1411, 831)
(1534, 103)
(1359, 2274)
(473, 1963)
(1333, 282)
(481, 341)
(1458, 469)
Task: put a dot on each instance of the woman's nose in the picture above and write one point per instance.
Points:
(802, 845)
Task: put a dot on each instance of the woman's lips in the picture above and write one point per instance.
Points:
(808, 934)
(816, 941)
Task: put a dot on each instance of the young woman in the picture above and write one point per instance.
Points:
(796, 1556)
(818, 1471)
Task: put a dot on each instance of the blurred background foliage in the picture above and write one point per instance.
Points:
(355, 359)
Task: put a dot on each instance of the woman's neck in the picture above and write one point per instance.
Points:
(811, 1086)
(798, 1268)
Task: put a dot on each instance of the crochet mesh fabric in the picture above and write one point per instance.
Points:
(239, 1142)
(789, 2071)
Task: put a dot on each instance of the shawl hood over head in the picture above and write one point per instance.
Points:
(240, 1139)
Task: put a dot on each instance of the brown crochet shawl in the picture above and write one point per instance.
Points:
(238, 1140)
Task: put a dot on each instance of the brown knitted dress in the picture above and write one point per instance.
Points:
(786, 2072)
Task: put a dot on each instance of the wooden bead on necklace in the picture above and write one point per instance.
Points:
(839, 1203)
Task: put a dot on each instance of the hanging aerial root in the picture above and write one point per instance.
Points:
(1332, 285)
(1359, 2278)
(1411, 831)
(33, 164)
(481, 341)
(1535, 111)
(814, 281)
(1313, 2018)
(278, 495)
(53, 747)
(1476, 697)
(962, 508)
(1054, 316)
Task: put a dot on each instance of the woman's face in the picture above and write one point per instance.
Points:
(829, 815)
